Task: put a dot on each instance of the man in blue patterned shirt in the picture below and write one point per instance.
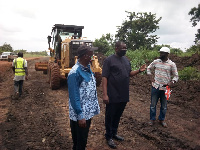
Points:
(83, 102)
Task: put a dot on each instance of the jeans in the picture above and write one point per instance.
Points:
(18, 86)
(112, 117)
(79, 135)
(155, 95)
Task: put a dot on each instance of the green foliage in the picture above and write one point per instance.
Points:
(110, 52)
(6, 48)
(42, 53)
(189, 73)
(193, 49)
(104, 44)
(141, 56)
(137, 31)
(195, 13)
(20, 50)
(176, 51)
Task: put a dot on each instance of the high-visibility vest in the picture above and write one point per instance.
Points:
(19, 66)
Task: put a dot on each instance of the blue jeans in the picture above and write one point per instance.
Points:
(157, 94)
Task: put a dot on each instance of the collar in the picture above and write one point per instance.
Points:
(87, 68)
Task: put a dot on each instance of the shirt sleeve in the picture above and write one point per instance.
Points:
(106, 68)
(174, 72)
(150, 67)
(74, 94)
(25, 63)
(13, 63)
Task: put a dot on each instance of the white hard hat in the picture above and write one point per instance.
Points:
(165, 49)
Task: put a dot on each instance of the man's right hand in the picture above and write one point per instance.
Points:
(82, 123)
(105, 99)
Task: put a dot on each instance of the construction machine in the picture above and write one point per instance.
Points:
(65, 40)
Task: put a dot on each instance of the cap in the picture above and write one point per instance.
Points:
(83, 49)
(165, 49)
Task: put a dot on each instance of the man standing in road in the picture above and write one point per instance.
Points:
(115, 82)
(164, 69)
(19, 66)
(83, 102)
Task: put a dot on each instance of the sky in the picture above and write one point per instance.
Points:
(25, 24)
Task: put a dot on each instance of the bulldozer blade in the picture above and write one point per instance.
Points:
(41, 66)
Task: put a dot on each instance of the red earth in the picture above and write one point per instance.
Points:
(39, 119)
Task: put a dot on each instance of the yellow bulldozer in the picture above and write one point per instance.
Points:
(65, 40)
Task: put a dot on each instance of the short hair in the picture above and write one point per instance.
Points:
(118, 44)
(20, 54)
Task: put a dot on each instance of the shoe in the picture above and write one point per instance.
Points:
(151, 122)
(117, 137)
(111, 144)
(163, 123)
(16, 95)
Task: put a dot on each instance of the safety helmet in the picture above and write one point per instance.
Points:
(165, 49)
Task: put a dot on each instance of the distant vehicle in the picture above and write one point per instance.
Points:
(8, 56)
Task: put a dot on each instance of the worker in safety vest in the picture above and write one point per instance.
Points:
(21, 73)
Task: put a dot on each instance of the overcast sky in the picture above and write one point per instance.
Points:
(25, 24)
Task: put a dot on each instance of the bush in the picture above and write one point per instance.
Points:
(189, 73)
(141, 56)
(138, 57)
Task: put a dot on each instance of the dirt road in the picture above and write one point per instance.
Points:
(39, 119)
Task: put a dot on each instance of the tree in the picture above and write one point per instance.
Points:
(195, 13)
(105, 43)
(21, 50)
(6, 48)
(137, 30)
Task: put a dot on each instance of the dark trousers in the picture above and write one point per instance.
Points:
(112, 117)
(79, 135)
(18, 86)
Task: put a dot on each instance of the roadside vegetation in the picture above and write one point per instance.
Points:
(137, 31)
(8, 48)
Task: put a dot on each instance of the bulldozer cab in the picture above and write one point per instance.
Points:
(73, 46)
(60, 33)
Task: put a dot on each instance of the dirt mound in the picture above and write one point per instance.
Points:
(181, 62)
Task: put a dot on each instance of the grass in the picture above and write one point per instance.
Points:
(27, 55)
(189, 73)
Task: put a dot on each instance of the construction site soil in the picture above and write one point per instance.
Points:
(39, 120)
